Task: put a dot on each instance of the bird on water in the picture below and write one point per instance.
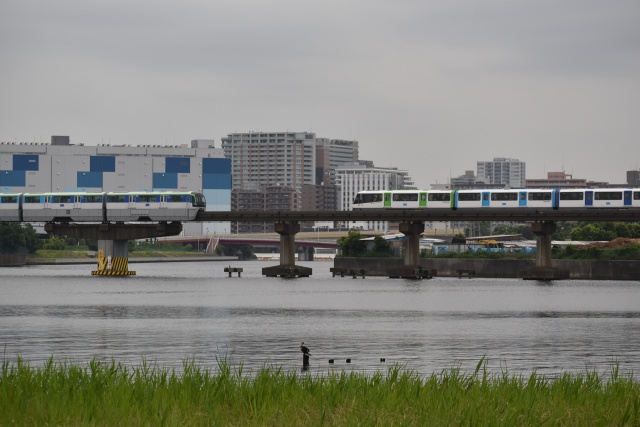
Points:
(304, 349)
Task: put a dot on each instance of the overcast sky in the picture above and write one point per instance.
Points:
(427, 86)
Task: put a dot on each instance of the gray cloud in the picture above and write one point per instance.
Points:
(431, 87)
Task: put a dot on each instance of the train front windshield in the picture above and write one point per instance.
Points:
(199, 200)
(367, 198)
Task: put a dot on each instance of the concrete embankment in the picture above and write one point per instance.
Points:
(56, 261)
(13, 260)
(499, 268)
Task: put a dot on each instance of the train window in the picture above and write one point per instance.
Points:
(607, 195)
(405, 197)
(9, 199)
(523, 196)
(504, 197)
(92, 198)
(636, 195)
(387, 197)
(32, 199)
(423, 197)
(147, 198)
(367, 198)
(177, 198)
(61, 199)
(574, 195)
(468, 197)
(117, 198)
(485, 196)
(540, 196)
(439, 197)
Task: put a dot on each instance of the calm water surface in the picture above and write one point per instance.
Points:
(170, 312)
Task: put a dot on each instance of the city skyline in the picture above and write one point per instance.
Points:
(430, 88)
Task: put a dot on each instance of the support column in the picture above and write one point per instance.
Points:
(411, 246)
(543, 269)
(113, 258)
(287, 268)
(113, 241)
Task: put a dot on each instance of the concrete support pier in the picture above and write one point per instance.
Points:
(113, 241)
(543, 269)
(113, 258)
(411, 246)
(287, 268)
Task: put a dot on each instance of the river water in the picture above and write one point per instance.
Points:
(172, 312)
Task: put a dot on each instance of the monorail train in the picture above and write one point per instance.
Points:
(500, 198)
(101, 207)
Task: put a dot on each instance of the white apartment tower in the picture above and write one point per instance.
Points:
(267, 159)
(356, 177)
(501, 170)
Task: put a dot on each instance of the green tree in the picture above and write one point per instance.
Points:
(352, 245)
(55, 243)
(592, 232)
(15, 237)
(381, 247)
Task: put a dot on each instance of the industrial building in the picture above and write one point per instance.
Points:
(61, 166)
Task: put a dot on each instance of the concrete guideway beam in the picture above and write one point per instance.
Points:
(114, 231)
(287, 268)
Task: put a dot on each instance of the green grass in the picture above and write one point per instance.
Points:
(108, 393)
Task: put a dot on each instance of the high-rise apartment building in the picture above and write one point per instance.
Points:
(267, 198)
(511, 172)
(357, 177)
(331, 153)
(61, 166)
(265, 159)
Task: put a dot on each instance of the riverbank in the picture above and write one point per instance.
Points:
(107, 393)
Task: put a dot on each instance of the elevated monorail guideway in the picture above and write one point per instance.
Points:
(479, 214)
(412, 225)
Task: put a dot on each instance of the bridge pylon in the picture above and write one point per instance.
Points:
(543, 269)
(113, 241)
(287, 268)
(411, 246)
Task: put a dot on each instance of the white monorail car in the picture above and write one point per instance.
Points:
(500, 198)
(62, 207)
(160, 206)
(10, 207)
(101, 207)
